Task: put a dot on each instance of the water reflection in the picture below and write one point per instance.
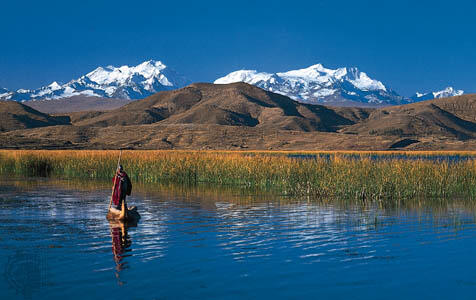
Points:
(121, 247)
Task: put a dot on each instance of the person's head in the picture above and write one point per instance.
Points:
(119, 169)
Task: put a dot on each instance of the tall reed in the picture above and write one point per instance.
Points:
(334, 175)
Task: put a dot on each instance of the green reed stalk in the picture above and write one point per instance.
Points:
(336, 175)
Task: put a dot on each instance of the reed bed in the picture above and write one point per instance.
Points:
(334, 175)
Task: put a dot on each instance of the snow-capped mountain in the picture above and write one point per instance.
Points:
(123, 82)
(317, 84)
(447, 92)
(4, 93)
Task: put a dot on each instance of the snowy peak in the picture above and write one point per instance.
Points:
(121, 75)
(312, 73)
(314, 84)
(123, 82)
(4, 93)
(362, 81)
(249, 76)
(54, 86)
(318, 84)
(448, 92)
(445, 93)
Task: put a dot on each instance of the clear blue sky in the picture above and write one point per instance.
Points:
(409, 45)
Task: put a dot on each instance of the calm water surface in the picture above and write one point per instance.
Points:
(55, 243)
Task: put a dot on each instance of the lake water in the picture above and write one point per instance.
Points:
(55, 243)
(437, 158)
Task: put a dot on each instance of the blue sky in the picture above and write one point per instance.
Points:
(409, 45)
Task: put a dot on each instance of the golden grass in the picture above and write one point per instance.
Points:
(334, 175)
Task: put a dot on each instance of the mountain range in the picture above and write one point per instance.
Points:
(315, 85)
(243, 116)
(342, 86)
(123, 82)
(448, 92)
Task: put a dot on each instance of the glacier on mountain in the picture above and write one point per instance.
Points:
(122, 82)
(4, 93)
(317, 84)
(447, 92)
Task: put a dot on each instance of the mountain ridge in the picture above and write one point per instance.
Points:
(445, 93)
(346, 86)
(319, 85)
(237, 104)
(243, 116)
(16, 116)
(123, 82)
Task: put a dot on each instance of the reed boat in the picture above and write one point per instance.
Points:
(131, 215)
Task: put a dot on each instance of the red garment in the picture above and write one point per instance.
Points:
(116, 196)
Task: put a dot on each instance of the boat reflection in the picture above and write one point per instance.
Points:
(121, 247)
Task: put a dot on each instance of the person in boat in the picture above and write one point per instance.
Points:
(122, 188)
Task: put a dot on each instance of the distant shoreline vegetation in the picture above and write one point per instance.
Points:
(366, 176)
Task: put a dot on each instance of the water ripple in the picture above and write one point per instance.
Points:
(191, 245)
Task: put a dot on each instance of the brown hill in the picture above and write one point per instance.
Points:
(76, 104)
(463, 107)
(450, 117)
(14, 115)
(240, 116)
(237, 104)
